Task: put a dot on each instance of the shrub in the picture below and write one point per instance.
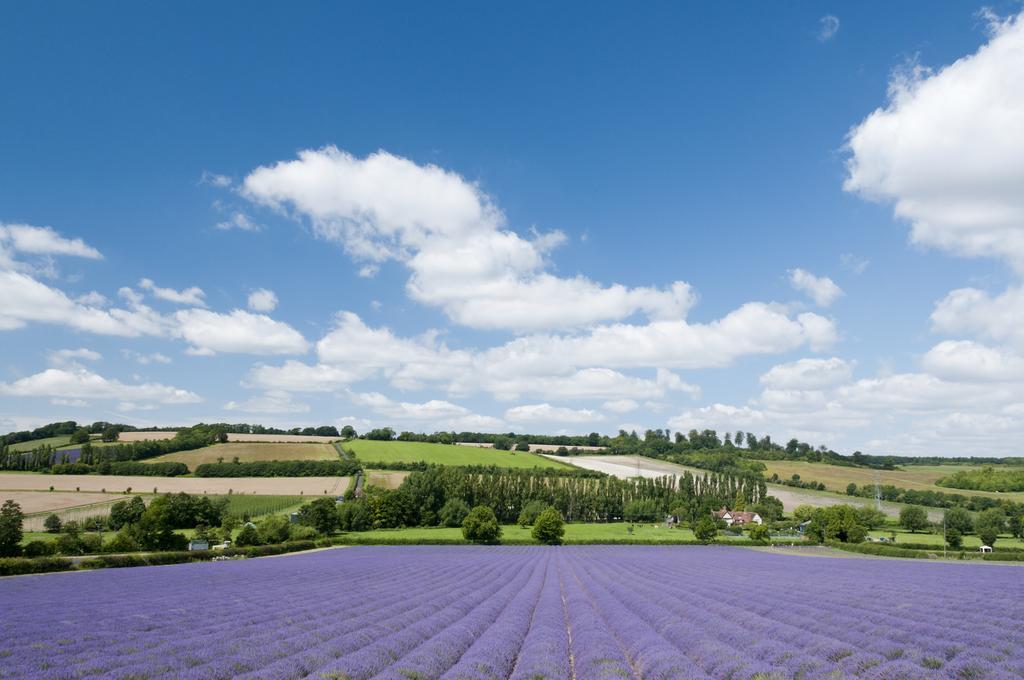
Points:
(123, 541)
(481, 526)
(39, 549)
(913, 518)
(522, 446)
(705, 530)
(247, 536)
(37, 565)
(760, 533)
(354, 516)
(530, 512)
(52, 524)
(453, 512)
(549, 527)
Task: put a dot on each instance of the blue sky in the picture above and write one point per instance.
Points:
(797, 219)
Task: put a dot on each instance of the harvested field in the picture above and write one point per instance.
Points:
(574, 612)
(385, 479)
(540, 448)
(267, 486)
(144, 436)
(51, 501)
(248, 452)
(625, 467)
(373, 451)
(279, 438)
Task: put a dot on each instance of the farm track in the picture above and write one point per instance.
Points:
(519, 612)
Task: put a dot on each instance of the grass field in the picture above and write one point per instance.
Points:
(249, 451)
(970, 541)
(837, 477)
(444, 454)
(385, 479)
(573, 532)
(60, 440)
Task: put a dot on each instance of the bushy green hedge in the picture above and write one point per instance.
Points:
(123, 468)
(355, 538)
(882, 550)
(12, 566)
(280, 468)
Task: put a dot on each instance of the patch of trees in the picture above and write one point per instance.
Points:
(795, 481)
(985, 479)
(163, 469)
(932, 499)
(437, 495)
(280, 468)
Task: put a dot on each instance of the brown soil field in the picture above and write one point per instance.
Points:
(250, 451)
(265, 486)
(536, 447)
(50, 501)
(385, 479)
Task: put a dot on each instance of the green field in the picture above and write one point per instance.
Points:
(248, 452)
(970, 542)
(60, 440)
(258, 506)
(444, 454)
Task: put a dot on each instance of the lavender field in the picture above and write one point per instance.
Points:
(519, 612)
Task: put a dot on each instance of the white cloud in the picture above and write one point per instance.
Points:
(808, 374)
(262, 300)
(620, 405)
(299, 377)
(66, 356)
(821, 289)
(546, 413)
(214, 179)
(189, 296)
(972, 361)
(274, 401)
(239, 332)
(80, 383)
(25, 238)
(23, 299)
(948, 150)
(435, 413)
(975, 312)
(145, 359)
(853, 263)
(240, 221)
(92, 299)
(453, 239)
(828, 26)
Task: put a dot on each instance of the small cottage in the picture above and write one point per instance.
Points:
(737, 517)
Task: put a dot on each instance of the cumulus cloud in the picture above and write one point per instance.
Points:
(215, 180)
(274, 401)
(976, 312)
(546, 413)
(145, 359)
(948, 150)
(828, 26)
(237, 332)
(262, 300)
(80, 383)
(189, 296)
(808, 374)
(972, 361)
(436, 412)
(25, 238)
(821, 289)
(620, 405)
(452, 237)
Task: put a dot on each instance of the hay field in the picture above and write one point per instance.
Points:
(32, 502)
(248, 452)
(266, 486)
(444, 454)
(537, 448)
(385, 479)
(144, 436)
(920, 477)
(280, 438)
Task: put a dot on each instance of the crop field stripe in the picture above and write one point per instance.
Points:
(473, 612)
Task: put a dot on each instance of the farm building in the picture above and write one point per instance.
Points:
(737, 517)
(198, 544)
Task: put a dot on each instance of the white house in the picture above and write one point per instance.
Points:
(737, 517)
